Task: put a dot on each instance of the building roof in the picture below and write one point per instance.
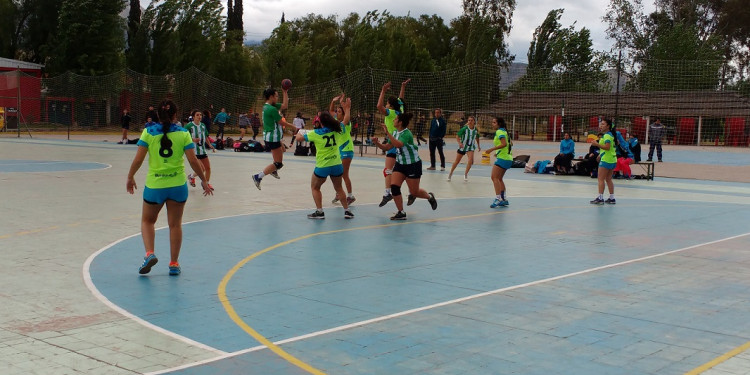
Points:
(653, 103)
(18, 64)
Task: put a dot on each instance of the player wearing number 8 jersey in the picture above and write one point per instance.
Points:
(408, 165)
(327, 160)
(503, 162)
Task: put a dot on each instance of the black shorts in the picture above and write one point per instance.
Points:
(204, 156)
(273, 145)
(413, 170)
(126, 126)
(461, 152)
(390, 155)
(243, 126)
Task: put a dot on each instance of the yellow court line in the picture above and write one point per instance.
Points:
(222, 290)
(720, 359)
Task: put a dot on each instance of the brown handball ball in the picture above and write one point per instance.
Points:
(286, 84)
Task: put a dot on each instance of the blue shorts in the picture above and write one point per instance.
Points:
(504, 164)
(392, 152)
(178, 194)
(333, 171)
(607, 165)
(347, 154)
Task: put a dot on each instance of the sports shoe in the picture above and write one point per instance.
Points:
(174, 269)
(504, 203)
(192, 180)
(386, 199)
(433, 201)
(430, 168)
(401, 215)
(442, 169)
(148, 262)
(348, 215)
(275, 175)
(466, 178)
(660, 161)
(257, 180)
(335, 200)
(350, 200)
(597, 201)
(610, 201)
(317, 215)
(448, 179)
(410, 200)
(649, 159)
(495, 203)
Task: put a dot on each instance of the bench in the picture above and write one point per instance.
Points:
(648, 167)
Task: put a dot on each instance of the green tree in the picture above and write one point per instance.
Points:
(8, 22)
(285, 56)
(89, 38)
(134, 22)
(490, 17)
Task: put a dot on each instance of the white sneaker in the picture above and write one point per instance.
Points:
(466, 178)
(448, 179)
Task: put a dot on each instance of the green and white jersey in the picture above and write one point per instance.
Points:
(503, 153)
(198, 131)
(327, 149)
(468, 137)
(409, 153)
(166, 167)
(272, 130)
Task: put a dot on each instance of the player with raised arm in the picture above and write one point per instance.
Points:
(273, 132)
(391, 108)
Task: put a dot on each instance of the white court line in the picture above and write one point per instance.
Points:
(90, 284)
(446, 303)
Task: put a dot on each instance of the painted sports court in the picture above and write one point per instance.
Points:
(657, 284)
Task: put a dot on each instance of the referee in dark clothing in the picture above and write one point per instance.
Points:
(438, 126)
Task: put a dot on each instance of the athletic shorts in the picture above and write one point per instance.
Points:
(273, 145)
(347, 154)
(332, 171)
(391, 153)
(606, 165)
(204, 156)
(178, 194)
(504, 164)
(461, 152)
(413, 170)
(126, 127)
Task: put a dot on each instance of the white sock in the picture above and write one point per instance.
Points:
(601, 196)
(499, 197)
(387, 192)
(611, 196)
(261, 174)
(350, 195)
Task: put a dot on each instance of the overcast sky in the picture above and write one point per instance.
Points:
(262, 16)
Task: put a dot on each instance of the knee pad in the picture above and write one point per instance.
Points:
(278, 165)
(395, 190)
(387, 172)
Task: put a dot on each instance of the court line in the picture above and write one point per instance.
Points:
(90, 284)
(719, 360)
(275, 346)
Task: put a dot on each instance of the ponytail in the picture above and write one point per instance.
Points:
(501, 123)
(166, 113)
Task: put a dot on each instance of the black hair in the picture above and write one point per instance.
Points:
(269, 92)
(193, 112)
(405, 118)
(395, 105)
(612, 130)
(327, 120)
(166, 112)
(501, 124)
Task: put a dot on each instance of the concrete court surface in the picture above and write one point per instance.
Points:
(656, 284)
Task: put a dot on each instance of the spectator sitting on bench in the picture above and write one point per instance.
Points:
(635, 148)
(624, 157)
(567, 153)
(590, 162)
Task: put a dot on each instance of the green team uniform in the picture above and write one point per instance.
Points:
(608, 156)
(468, 138)
(272, 130)
(409, 153)
(345, 138)
(326, 146)
(198, 131)
(502, 153)
(166, 168)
